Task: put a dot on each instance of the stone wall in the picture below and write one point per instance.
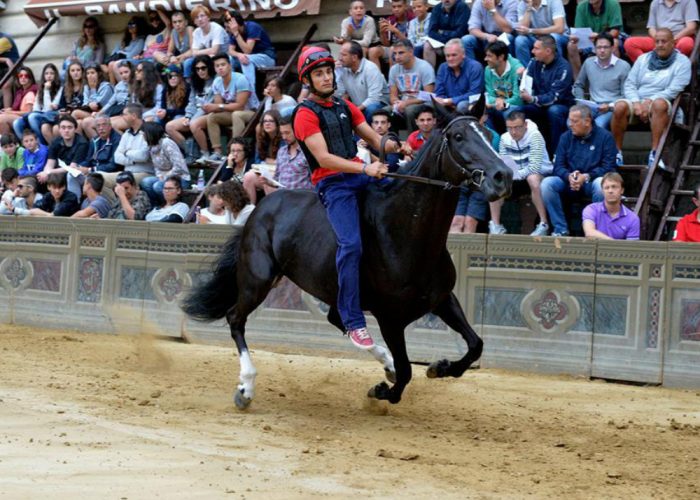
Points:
(618, 310)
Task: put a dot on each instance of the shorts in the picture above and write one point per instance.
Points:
(634, 120)
(472, 204)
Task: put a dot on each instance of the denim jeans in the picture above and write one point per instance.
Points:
(553, 188)
(339, 194)
(552, 118)
(34, 120)
(475, 48)
(153, 187)
(525, 43)
(254, 61)
(375, 106)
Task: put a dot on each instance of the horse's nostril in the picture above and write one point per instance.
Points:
(498, 177)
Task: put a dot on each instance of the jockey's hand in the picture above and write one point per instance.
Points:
(376, 169)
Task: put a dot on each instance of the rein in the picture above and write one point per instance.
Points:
(475, 177)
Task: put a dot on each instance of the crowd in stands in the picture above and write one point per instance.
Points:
(114, 134)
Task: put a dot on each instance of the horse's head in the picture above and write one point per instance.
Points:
(466, 154)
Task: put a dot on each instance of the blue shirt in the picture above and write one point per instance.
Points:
(34, 162)
(100, 155)
(253, 31)
(551, 83)
(449, 24)
(458, 88)
(593, 154)
(238, 83)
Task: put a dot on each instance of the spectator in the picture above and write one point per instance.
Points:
(418, 26)
(233, 105)
(651, 86)
(114, 108)
(35, 154)
(680, 17)
(89, 49)
(604, 78)
(9, 55)
(237, 163)
(502, 77)
(360, 81)
(147, 90)
(268, 138)
(175, 98)
(102, 148)
(551, 95)
(173, 210)
(524, 144)
(133, 151)
(24, 93)
(10, 180)
(131, 203)
(458, 78)
(195, 119)
(538, 17)
(362, 29)
(291, 168)
(391, 29)
(216, 212)
(180, 41)
(158, 39)
(68, 149)
(208, 38)
(584, 155)
(249, 45)
(380, 123)
(167, 160)
(448, 19)
(426, 122)
(12, 154)
(59, 202)
(235, 200)
(26, 197)
(72, 99)
(489, 19)
(275, 98)
(407, 77)
(94, 202)
(96, 94)
(610, 219)
(46, 104)
(131, 45)
(688, 228)
(602, 16)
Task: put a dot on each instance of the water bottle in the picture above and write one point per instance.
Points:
(197, 212)
(200, 180)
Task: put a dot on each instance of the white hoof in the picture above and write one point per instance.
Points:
(242, 402)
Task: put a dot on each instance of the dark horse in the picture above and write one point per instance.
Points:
(406, 268)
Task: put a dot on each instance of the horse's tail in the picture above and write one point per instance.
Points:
(211, 300)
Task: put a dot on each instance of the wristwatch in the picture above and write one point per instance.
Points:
(221, 107)
(492, 11)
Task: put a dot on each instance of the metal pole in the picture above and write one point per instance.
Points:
(29, 50)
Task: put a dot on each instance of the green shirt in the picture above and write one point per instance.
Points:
(506, 86)
(15, 162)
(610, 16)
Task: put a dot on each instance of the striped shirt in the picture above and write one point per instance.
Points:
(529, 153)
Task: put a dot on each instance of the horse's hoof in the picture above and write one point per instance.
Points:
(242, 402)
(390, 375)
(438, 369)
(379, 391)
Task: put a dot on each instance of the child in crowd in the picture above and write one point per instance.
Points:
(10, 179)
(174, 102)
(418, 26)
(35, 154)
(359, 27)
(12, 154)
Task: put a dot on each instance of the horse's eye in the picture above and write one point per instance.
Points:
(458, 137)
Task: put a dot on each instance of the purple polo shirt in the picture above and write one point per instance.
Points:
(624, 226)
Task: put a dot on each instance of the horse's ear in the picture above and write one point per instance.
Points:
(443, 114)
(477, 109)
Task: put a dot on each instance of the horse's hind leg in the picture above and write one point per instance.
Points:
(379, 353)
(450, 311)
(254, 282)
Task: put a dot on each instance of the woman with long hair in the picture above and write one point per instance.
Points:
(46, 104)
(175, 97)
(72, 98)
(195, 120)
(172, 209)
(131, 45)
(268, 138)
(114, 107)
(90, 47)
(24, 95)
(235, 200)
(167, 161)
(147, 89)
(96, 93)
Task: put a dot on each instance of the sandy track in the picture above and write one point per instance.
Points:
(87, 416)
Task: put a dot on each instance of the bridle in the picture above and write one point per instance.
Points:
(474, 177)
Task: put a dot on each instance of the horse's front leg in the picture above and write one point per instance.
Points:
(450, 311)
(246, 383)
(395, 340)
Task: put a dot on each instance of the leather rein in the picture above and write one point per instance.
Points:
(474, 177)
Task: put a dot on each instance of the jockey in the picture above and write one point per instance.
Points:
(324, 126)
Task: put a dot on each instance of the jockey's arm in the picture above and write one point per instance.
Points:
(317, 145)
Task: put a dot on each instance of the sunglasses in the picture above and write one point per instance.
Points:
(23, 75)
(200, 68)
(269, 121)
(22, 186)
(89, 26)
(131, 25)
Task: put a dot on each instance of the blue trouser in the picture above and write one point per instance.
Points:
(34, 120)
(475, 48)
(371, 108)
(552, 118)
(553, 188)
(339, 194)
(153, 187)
(525, 43)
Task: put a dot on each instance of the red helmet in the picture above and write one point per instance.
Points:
(312, 58)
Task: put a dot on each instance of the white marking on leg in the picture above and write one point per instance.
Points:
(247, 375)
(383, 355)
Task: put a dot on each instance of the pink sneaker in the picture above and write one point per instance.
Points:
(361, 338)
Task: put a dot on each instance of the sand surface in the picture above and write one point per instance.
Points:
(102, 416)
